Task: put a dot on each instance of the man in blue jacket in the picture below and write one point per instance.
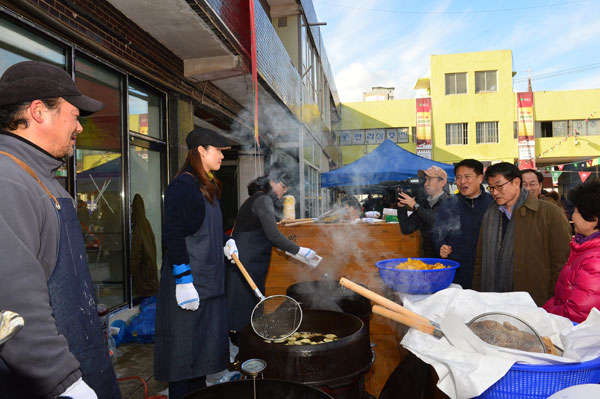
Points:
(456, 228)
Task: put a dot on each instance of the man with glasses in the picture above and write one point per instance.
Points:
(423, 214)
(532, 181)
(523, 243)
(456, 228)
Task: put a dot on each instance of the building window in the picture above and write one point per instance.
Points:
(487, 132)
(457, 133)
(145, 111)
(312, 181)
(486, 81)
(456, 83)
(413, 134)
(17, 44)
(100, 181)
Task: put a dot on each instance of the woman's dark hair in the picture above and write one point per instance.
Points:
(210, 188)
(262, 183)
(586, 198)
(470, 163)
(508, 170)
(11, 115)
(279, 173)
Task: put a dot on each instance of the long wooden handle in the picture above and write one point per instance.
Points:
(299, 223)
(404, 319)
(285, 221)
(383, 301)
(244, 272)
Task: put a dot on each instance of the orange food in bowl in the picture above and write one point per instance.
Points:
(417, 264)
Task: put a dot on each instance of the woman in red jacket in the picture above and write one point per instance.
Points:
(577, 289)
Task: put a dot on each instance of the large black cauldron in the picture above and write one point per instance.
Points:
(330, 295)
(337, 367)
(265, 389)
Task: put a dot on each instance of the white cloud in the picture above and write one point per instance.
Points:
(381, 43)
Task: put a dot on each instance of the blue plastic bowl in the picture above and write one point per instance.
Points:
(417, 281)
(525, 381)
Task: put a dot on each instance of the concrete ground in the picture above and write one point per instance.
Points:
(137, 360)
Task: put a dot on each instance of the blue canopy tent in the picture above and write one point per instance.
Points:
(386, 163)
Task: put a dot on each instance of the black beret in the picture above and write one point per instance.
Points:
(35, 80)
(202, 137)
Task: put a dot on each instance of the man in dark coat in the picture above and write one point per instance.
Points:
(456, 228)
(524, 241)
(423, 214)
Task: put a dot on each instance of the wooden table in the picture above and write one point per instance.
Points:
(349, 250)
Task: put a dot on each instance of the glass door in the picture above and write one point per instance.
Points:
(99, 187)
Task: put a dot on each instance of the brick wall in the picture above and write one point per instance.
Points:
(109, 28)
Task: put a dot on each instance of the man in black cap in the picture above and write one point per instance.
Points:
(45, 276)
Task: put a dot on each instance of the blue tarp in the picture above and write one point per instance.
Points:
(388, 162)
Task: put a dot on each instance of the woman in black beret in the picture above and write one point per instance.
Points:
(191, 313)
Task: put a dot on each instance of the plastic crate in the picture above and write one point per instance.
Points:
(417, 281)
(538, 382)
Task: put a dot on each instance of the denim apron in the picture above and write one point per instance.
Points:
(191, 344)
(74, 306)
(73, 303)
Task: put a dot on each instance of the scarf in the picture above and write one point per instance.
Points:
(580, 238)
(497, 253)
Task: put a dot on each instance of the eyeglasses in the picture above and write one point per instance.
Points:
(498, 187)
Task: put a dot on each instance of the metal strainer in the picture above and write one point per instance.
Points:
(508, 331)
(273, 318)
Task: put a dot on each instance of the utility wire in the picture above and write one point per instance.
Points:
(559, 73)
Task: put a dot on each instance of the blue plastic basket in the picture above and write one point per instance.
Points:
(417, 281)
(536, 382)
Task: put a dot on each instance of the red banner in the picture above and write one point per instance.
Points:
(254, 70)
(526, 128)
(424, 127)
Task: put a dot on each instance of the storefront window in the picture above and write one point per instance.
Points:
(100, 182)
(145, 114)
(18, 44)
(146, 181)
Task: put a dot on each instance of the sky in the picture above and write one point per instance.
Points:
(388, 42)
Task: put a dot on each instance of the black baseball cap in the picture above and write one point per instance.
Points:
(36, 80)
(202, 137)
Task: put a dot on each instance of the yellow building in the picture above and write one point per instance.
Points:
(474, 114)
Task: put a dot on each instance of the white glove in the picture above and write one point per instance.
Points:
(230, 248)
(79, 390)
(187, 296)
(308, 253)
(372, 214)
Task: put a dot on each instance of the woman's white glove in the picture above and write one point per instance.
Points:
(187, 296)
(308, 253)
(79, 390)
(229, 249)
